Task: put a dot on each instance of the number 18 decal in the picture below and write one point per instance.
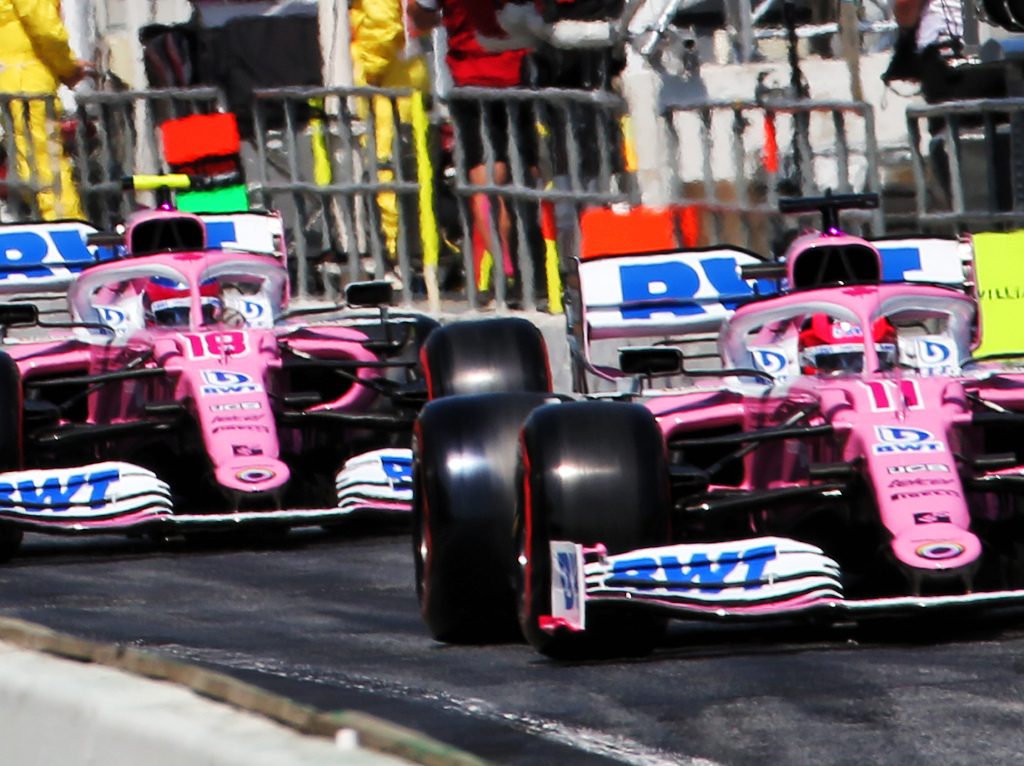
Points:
(887, 395)
(202, 345)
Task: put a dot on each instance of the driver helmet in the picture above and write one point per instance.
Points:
(168, 302)
(829, 345)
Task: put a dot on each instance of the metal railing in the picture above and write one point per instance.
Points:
(355, 203)
(774, 149)
(32, 165)
(564, 151)
(116, 134)
(969, 174)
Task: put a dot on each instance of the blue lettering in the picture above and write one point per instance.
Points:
(670, 286)
(700, 572)
(725, 278)
(756, 560)
(219, 232)
(19, 249)
(398, 470)
(100, 484)
(53, 496)
(71, 247)
(656, 282)
(568, 575)
(635, 572)
(897, 261)
(51, 493)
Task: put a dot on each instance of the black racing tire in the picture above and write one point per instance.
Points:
(465, 453)
(1009, 14)
(10, 414)
(595, 472)
(10, 443)
(486, 356)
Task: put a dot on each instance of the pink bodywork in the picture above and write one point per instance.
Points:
(862, 409)
(227, 376)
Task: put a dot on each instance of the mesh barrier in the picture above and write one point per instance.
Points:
(774, 149)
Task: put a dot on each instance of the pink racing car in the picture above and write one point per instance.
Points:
(845, 456)
(178, 390)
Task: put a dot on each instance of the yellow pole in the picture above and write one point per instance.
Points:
(428, 219)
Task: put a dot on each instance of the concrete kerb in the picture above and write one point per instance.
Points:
(373, 734)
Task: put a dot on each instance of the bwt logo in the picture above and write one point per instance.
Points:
(225, 378)
(111, 316)
(398, 470)
(671, 285)
(898, 439)
(932, 352)
(767, 360)
(252, 309)
(700, 572)
(50, 494)
(568, 574)
(228, 382)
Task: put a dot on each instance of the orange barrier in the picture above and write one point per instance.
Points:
(610, 231)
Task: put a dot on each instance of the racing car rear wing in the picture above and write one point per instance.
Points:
(45, 256)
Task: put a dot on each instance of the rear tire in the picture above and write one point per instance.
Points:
(10, 444)
(598, 473)
(465, 452)
(486, 356)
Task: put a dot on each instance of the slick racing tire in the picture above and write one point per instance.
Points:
(465, 452)
(595, 472)
(10, 443)
(486, 356)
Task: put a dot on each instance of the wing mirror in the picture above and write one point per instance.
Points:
(651, 360)
(368, 294)
(19, 315)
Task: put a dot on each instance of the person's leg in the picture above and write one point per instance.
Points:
(485, 237)
(57, 197)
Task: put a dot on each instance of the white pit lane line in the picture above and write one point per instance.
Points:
(621, 749)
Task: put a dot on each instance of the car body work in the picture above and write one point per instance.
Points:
(844, 454)
(207, 400)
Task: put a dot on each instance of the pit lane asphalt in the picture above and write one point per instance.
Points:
(332, 621)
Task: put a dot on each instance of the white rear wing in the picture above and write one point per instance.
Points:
(687, 291)
(44, 256)
(937, 260)
(249, 232)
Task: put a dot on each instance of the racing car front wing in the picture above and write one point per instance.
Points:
(114, 497)
(755, 578)
(99, 497)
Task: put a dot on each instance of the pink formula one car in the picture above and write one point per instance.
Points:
(846, 456)
(183, 392)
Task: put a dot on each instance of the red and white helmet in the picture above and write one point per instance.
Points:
(830, 345)
(168, 303)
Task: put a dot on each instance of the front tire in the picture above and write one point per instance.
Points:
(465, 452)
(486, 356)
(10, 444)
(597, 472)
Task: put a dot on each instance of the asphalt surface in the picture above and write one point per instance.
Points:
(332, 621)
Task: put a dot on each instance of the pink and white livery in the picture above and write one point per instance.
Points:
(847, 456)
(183, 370)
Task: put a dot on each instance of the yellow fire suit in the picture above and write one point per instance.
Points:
(379, 59)
(35, 58)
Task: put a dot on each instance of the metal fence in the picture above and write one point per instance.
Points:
(32, 166)
(107, 136)
(774, 149)
(344, 164)
(116, 134)
(499, 227)
(968, 163)
(562, 150)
